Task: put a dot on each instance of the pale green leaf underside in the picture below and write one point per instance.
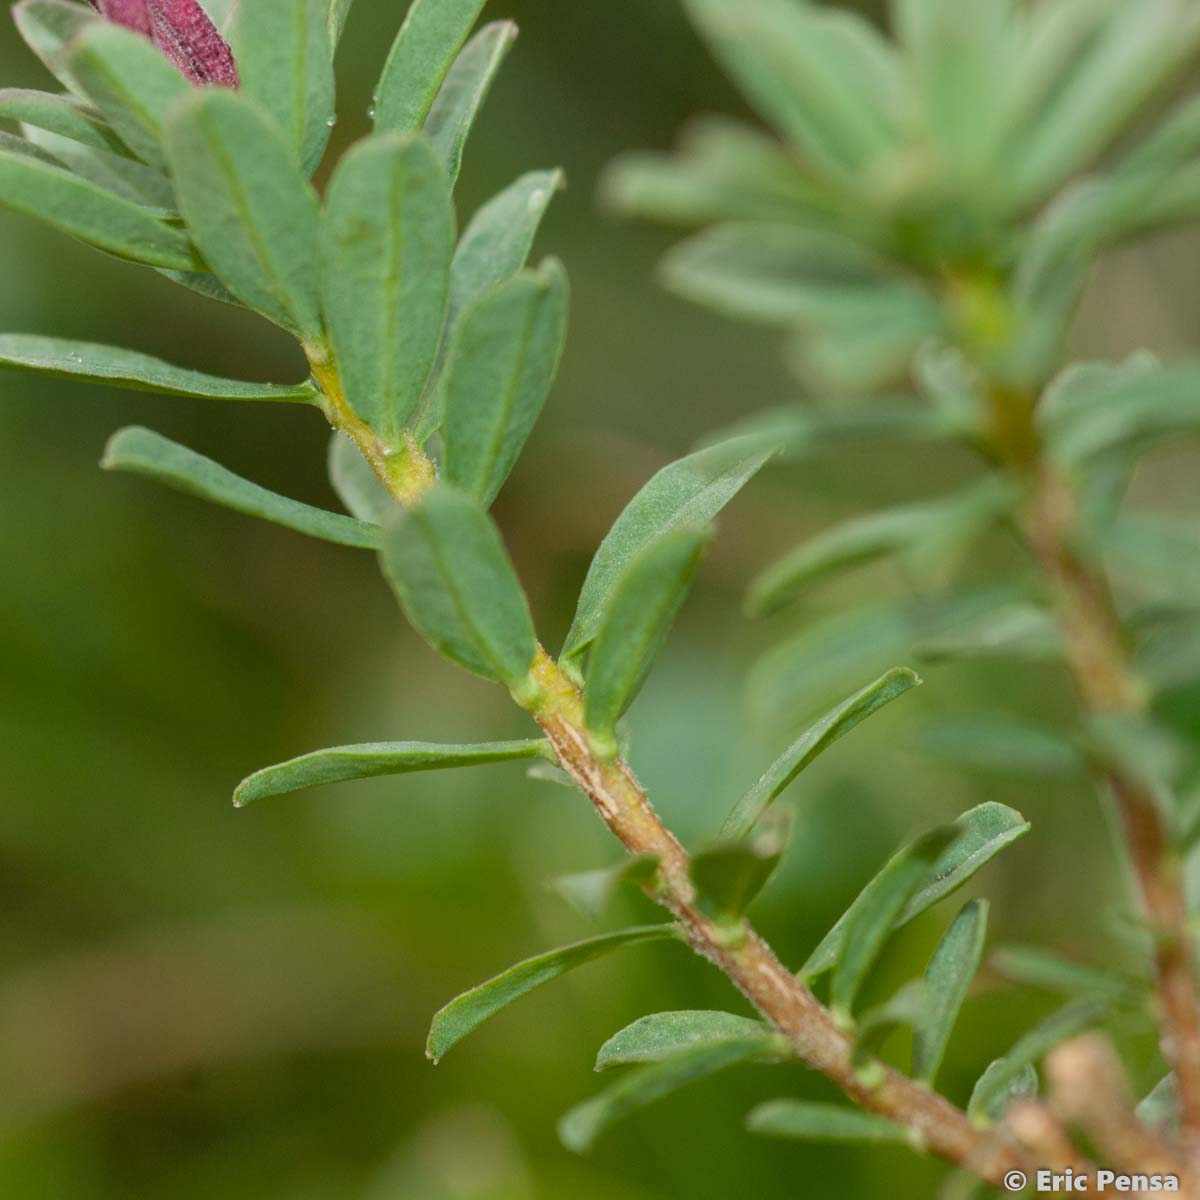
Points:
(342, 763)
(466, 1013)
(591, 892)
(427, 44)
(662, 1035)
(48, 26)
(117, 367)
(812, 742)
(500, 369)
(143, 452)
(91, 213)
(998, 1079)
(464, 90)
(580, 1127)
(641, 607)
(63, 115)
(947, 978)
(876, 913)
(805, 1121)
(357, 486)
(688, 493)
(982, 834)
(453, 577)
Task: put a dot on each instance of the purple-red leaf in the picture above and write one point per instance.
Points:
(183, 31)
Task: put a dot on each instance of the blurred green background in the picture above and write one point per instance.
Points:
(197, 1002)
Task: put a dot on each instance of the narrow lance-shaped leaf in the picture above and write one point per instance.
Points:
(1039, 968)
(638, 615)
(63, 115)
(501, 366)
(809, 1121)
(902, 1009)
(989, 742)
(93, 214)
(115, 366)
(465, 88)
(663, 1035)
(115, 171)
(947, 978)
(729, 875)
(337, 11)
(254, 216)
(811, 743)
(387, 236)
(285, 60)
(427, 44)
(445, 560)
(143, 452)
(494, 247)
(876, 914)
(48, 26)
(590, 892)
(342, 763)
(130, 80)
(465, 1014)
(357, 486)
(981, 834)
(580, 1127)
(688, 493)
(996, 1083)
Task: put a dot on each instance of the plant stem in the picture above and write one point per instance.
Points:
(1107, 685)
(747, 960)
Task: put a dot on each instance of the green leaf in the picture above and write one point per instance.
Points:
(724, 171)
(94, 215)
(817, 738)
(1091, 409)
(337, 12)
(827, 80)
(639, 611)
(1154, 556)
(387, 238)
(662, 1035)
(465, 1014)
(113, 171)
(357, 486)
(1035, 967)
(343, 763)
(987, 742)
(63, 115)
(254, 216)
(499, 371)
(784, 274)
(902, 1009)
(808, 1121)
(464, 90)
(494, 247)
(129, 80)
(424, 50)
(981, 834)
(947, 978)
(1011, 630)
(729, 875)
(876, 912)
(591, 892)
(143, 452)
(49, 26)
(928, 537)
(114, 366)
(445, 560)
(1159, 1109)
(284, 57)
(966, 62)
(688, 493)
(1008, 1076)
(1139, 49)
(579, 1128)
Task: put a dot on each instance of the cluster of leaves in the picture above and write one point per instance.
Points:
(925, 212)
(432, 354)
